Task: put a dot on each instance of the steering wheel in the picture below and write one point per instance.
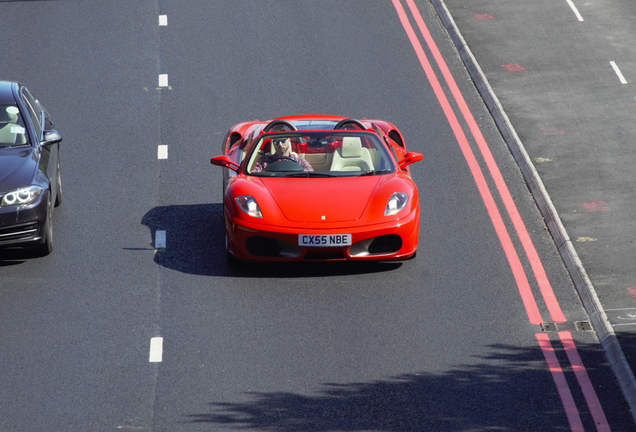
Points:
(282, 158)
(279, 122)
(284, 164)
(342, 123)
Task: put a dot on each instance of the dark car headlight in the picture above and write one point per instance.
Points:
(396, 203)
(22, 196)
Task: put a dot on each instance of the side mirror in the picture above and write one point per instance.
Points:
(409, 158)
(51, 137)
(225, 162)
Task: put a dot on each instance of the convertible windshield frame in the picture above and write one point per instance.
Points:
(330, 153)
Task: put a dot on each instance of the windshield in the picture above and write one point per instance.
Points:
(12, 130)
(341, 153)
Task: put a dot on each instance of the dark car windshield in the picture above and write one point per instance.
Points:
(342, 153)
(12, 129)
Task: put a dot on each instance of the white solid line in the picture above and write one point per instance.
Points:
(160, 239)
(156, 350)
(618, 72)
(163, 80)
(162, 152)
(163, 20)
(576, 11)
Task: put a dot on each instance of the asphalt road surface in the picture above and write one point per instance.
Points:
(564, 72)
(114, 331)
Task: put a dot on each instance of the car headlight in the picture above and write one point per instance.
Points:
(21, 196)
(248, 204)
(396, 203)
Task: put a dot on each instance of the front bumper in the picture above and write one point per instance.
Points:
(388, 241)
(23, 226)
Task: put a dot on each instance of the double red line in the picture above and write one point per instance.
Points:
(518, 272)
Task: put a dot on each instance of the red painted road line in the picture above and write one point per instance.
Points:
(537, 267)
(559, 379)
(584, 381)
(511, 254)
(571, 411)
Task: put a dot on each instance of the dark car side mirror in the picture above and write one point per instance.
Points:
(225, 162)
(51, 137)
(409, 158)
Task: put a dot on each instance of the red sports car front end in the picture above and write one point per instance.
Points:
(319, 188)
(386, 241)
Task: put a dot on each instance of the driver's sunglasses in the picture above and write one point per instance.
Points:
(280, 141)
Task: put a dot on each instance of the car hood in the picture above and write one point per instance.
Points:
(16, 168)
(322, 199)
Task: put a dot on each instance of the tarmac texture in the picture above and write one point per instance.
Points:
(559, 78)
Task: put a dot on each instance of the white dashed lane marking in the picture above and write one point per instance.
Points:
(163, 80)
(618, 73)
(156, 343)
(162, 152)
(575, 10)
(156, 350)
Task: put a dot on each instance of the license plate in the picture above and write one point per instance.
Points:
(327, 240)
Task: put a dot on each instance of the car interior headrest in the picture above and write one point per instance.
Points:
(351, 147)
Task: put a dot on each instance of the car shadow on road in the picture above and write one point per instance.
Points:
(10, 257)
(195, 244)
(497, 391)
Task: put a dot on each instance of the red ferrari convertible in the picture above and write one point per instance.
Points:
(318, 188)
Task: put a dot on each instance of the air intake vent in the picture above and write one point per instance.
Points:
(19, 232)
(386, 244)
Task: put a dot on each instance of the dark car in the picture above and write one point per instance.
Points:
(30, 184)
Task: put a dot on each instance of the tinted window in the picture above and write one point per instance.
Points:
(35, 111)
(12, 128)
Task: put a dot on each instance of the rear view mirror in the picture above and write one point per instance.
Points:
(51, 137)
(225, 162)
(409, 158)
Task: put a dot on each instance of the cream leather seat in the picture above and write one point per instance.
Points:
(352, 156)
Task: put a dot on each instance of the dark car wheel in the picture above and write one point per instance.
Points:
(58, 197)
(47, 247)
